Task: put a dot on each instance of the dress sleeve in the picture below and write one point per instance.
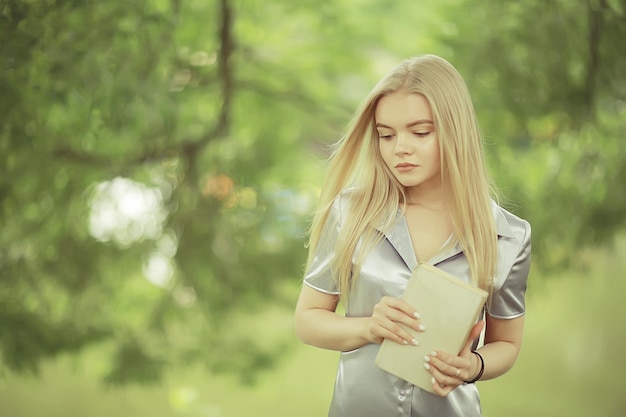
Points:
(508, 300)
(319, 274)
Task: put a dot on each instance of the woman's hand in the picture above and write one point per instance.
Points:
(385, 323)
(450, 371)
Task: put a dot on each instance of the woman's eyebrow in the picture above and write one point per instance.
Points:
(415, 123)
(420, 122)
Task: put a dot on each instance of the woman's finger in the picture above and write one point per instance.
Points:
(442, 384)
(443, 359)
(388, 334)
(398, 311)
(402, 306)
(442, 390)
(392, 331)
(383, 326)
(455, 367)
(445, 369)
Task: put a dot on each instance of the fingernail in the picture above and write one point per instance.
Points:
(433, 353)
(415, 342)
(417, 315)
(426, 358)
(427, 366)
(404, 342)
(432, 381)
(421, 327)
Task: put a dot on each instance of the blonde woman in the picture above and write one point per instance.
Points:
(407, 184)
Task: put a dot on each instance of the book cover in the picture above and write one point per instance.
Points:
(449, 308)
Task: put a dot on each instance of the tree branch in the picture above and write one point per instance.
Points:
(224, 69)
(595, 10)
(226, 82)
(186, 148)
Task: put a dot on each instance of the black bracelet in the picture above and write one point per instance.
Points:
(482, 369)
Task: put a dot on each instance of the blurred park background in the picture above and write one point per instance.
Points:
(160, 160)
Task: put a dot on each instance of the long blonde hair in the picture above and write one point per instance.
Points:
(356, 162)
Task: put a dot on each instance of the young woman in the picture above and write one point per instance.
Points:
(407, 184)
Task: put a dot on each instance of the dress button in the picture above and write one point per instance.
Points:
(402, 393)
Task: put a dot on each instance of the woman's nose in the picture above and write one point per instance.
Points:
(403, 145)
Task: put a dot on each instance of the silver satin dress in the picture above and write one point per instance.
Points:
(361, 388)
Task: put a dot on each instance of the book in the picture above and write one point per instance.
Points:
(448, 307)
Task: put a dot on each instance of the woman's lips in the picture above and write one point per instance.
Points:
(404, 167)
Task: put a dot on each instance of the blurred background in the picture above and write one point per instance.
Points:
(160, 161)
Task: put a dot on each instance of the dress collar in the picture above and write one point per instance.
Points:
(399, 237)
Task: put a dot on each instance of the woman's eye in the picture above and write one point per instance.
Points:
(425, 133)
(384, 136)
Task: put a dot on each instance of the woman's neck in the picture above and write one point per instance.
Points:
(431, 198)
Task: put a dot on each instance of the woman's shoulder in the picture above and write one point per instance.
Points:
(346, 199)
(510, 225)
(340, 205)
(513, 265)
(348, 194)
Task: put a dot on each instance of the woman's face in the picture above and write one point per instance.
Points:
(408, 141)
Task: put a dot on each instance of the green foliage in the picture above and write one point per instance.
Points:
(550, 89)
(119, 152)
(158, 159)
